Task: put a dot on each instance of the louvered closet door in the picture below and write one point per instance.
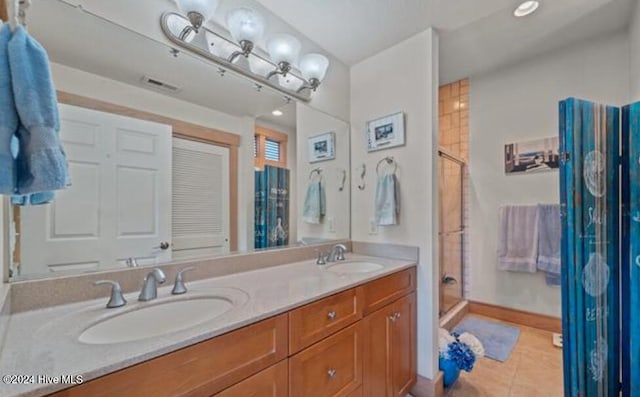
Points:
(200, 199)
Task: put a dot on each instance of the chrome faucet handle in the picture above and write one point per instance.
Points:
(117, 299)
(178, 286)
(321, 260)
(131, 262)
(150, 288)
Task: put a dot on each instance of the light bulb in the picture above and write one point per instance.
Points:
(283, 47)
(314, 66)
(245, 24)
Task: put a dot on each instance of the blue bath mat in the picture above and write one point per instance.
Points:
(498, 339)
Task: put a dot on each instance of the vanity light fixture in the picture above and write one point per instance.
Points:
(277, 113)
(198, 12)
(526, 8)
(284, 51)
(314, 69)
(246, 27)
(296, 77)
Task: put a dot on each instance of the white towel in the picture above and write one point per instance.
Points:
(387, 205)
(518, 239)
(550, 231)
(315, 206)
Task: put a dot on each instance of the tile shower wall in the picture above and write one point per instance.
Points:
(454, 139)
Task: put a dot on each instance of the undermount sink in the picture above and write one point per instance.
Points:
(156, 319)
(354, 267)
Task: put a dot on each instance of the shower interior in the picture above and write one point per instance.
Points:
(451, 231)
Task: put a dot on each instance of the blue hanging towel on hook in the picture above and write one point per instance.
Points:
(41, 162)
(8, 117)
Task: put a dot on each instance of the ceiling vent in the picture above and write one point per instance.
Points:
(160, 85)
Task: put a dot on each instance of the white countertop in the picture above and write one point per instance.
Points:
(44, 342)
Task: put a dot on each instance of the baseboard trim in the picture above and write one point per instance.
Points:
(454, 316)
(521, 317)
(429, 388)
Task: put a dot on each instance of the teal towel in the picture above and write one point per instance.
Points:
(8, 117)
(314, 203)
(387, 205)
(41, 163)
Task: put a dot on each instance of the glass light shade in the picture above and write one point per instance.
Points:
(314, 66)
(283, 47)
(245, 24)
(206, 8)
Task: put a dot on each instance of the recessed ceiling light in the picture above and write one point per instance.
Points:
(277, 113)
(526, 8)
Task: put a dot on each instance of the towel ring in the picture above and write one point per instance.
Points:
(315, 170)
(389, 160)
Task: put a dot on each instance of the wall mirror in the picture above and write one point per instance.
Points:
(170, 159)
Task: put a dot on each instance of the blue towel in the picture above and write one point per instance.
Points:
(8, 117)
(315, 206)
(41, 163)
(387, 204)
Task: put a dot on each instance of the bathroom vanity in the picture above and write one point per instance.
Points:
(344, 329)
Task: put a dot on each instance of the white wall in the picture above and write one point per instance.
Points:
(634, 43)
(403, 78)
(336, 222)
(521, 103)
(93, 86)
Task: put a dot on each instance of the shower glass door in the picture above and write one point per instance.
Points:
(451, 233)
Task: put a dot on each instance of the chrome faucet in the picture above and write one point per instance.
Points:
(150, 287)
(337, 253)
(116, 299)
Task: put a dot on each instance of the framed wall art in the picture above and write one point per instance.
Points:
(386, 132)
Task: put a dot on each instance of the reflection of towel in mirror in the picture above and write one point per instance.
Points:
(518, 239)
(42, 164)
(387, 204)
(314, 203)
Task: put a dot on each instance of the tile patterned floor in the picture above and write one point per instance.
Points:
(534, 369)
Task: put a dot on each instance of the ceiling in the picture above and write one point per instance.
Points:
(480, 32)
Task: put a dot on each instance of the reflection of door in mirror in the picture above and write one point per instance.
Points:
(121, 182)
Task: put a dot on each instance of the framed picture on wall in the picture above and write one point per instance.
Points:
(322, 147)
(385, 132)
(532, 156)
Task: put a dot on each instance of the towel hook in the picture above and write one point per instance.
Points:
(16, 10)
(314, 171)
(363, 172)
(389, 160)
(342, 178)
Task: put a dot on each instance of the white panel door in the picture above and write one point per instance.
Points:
(142, 189)
(200, 199)
(113, 161)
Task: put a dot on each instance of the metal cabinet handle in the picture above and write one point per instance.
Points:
(332, 315)
(394, 317)
(332, 373)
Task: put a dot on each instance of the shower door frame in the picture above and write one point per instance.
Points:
(443, 154)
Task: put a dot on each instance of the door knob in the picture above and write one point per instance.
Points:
(164, 245)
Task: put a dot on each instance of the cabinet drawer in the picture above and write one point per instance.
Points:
(314, 322)
(272, 382)
(381, 292)
(203, 369)
(331, 368)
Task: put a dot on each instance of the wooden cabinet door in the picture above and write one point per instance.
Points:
(403, 345)
(330, 368)
(390, 349)
(272, 382)
(377, 351)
